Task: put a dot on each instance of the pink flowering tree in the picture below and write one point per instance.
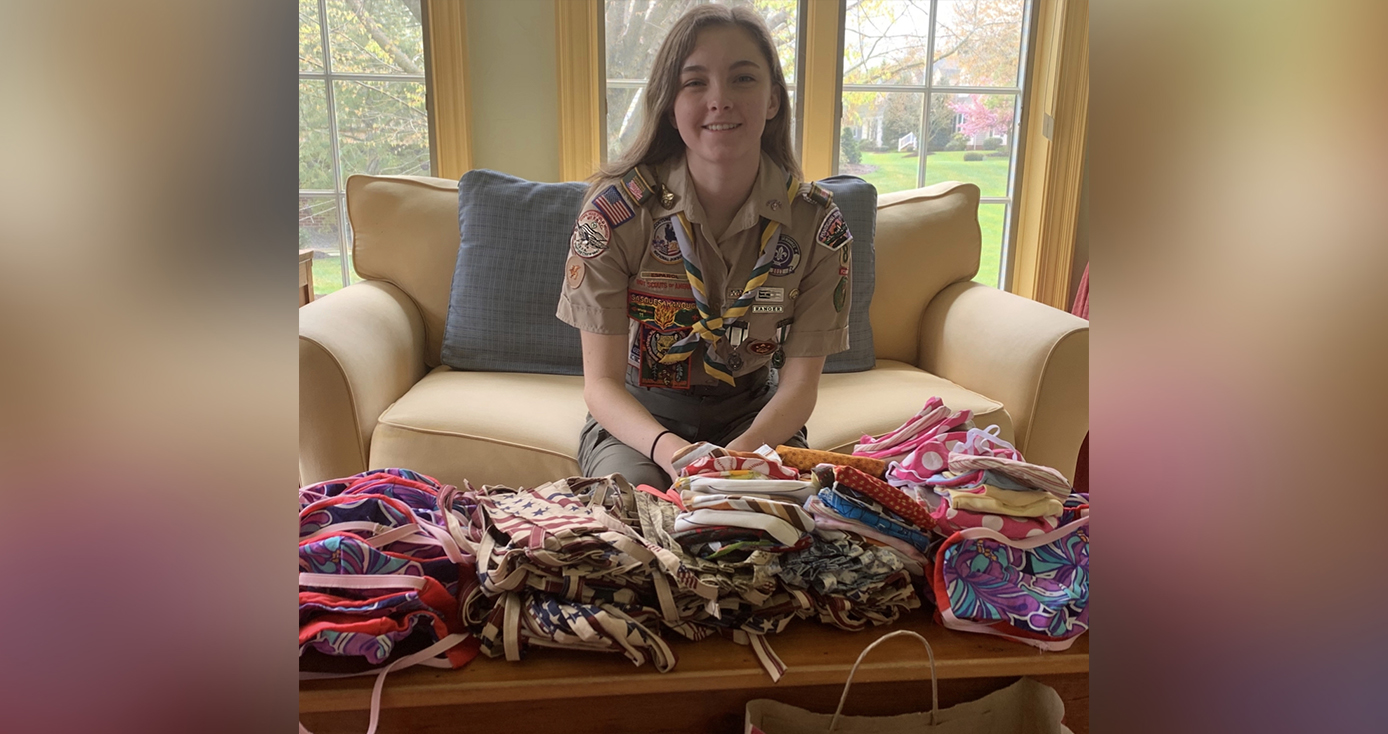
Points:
(987, 114)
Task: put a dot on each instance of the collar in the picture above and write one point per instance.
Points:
(770, 197)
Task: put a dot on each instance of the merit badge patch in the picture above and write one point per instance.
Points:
(614, 206)
(591, 234)
(786, 257)
(664, 246)
(841, 294)
(574, 270)
(655, 345)
(762, 348)
(833, 233)
(636, 185)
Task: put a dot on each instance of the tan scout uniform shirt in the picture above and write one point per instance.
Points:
(625, 274)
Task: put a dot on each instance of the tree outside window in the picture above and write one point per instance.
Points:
(930, 90)
(362, 109)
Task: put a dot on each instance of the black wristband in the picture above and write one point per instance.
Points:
(658, 436)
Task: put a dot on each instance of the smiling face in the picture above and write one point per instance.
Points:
(725, 97)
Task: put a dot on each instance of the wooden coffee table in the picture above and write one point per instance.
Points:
(578, 692)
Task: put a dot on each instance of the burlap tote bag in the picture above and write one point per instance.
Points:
(1025, 707)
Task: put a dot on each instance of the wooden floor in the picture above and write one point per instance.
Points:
(576, 692)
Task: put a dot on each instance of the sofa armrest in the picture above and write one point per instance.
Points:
(360, 349)
(1031, 357)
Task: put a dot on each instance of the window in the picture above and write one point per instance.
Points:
(633, 35)
(930, 94)
(361, 110)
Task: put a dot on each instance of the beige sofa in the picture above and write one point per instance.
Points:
(372, 391)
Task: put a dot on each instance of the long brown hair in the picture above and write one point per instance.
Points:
(657, 140)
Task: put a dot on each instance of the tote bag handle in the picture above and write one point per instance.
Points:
(934, 685)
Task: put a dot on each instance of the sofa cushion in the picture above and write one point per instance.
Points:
(521, 430)
(882, 398)
(487, 427)
(513, 238)
(857, 199)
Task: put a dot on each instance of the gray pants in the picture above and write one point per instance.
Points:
(714, 414)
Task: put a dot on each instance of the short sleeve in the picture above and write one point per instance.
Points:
(821, 310)
(599, 264)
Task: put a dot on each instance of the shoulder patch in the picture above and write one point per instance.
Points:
(637, 187)
(614, 206)
(591, 234)
(816, 194)
(833, 232)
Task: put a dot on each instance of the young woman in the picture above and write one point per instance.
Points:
(709, 282)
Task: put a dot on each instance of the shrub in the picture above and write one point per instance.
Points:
(973, 155)
(848, 143)
(992, 143)
(958, 142)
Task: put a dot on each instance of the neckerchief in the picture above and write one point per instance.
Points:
(709, 327)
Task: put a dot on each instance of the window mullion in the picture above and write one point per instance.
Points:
(923, 138)
(332, 135)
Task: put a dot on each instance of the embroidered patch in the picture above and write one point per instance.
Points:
(664, 246)
(662, 313)
(841, 294)
(833, 233)
(786, 257)
(767, 308)
(846, 256)
(574, 270)
(591, 234)
(771, 295)
(614, 206)
(818, 195)
(762, 348)
(654, 345)
(636, 185)
(650, 280)
(843, 270)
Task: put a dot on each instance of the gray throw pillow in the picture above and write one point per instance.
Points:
(857, 199)
(514, 240)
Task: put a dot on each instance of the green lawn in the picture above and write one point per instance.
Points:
(897, 172)
(327, 274)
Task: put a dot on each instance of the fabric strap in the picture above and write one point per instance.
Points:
(711, 327)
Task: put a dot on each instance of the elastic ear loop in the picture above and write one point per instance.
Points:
(934, 683)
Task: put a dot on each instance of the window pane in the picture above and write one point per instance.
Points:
(319, 229)
(884, 127)
(315, 145)
(990, 221)
(310, 37)
(978, 42)
(382, 127)
(634, 32)
(623, 117)
(885, 42)
(376, 36)
(980, 135)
